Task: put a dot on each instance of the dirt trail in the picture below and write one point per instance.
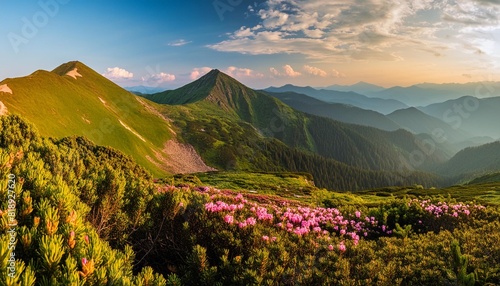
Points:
(74, 73)
(5, 88)
(180, 159)
(133, 131)
(176, 157)
(3, 109)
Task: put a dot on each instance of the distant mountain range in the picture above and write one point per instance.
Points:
(477, 116)
(424, 93)
(337, 111)
(417, 122)
(141, 89)
(383, 106)
(360, 87)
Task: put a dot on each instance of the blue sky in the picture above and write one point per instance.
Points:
(261, 43)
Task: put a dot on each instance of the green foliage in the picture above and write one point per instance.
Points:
(59, 185)
(88, 215)
(51, 251)
(460, 263)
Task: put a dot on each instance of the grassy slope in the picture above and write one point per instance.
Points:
(300, 187)
(60, 106)
(489, 178)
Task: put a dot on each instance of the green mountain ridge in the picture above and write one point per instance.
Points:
(473, 161)
(87, 104)
(486, 179)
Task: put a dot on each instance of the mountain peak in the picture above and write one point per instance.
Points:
(214, 86)
(213, 76)
(65, 68)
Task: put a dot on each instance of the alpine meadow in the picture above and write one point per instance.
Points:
(277, 142)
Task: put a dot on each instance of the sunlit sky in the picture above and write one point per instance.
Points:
(261, 43)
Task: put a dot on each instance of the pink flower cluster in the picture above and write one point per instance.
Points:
(269, 239)
(303, 220)
(442, 208)
(220, 206)
(298, 220)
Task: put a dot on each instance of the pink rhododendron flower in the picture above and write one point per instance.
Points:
(342, 247)
(251, 221)
(229, 219)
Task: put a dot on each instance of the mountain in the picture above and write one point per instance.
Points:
(417, 121)
(477, 89)
(425, 93)
(337, 111)
(360, 87)
(473, 161)
(235, 127)
(223, 91)
(144, 89)
(477, 116)
(415, 95)
(75, 100)
(383, 106)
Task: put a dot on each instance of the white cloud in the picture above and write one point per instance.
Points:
(288, 71)
(239, 73)
(315, 71)
(274, 72)
(316, 33)
(117, 73)
(243, 32)
(273, 18)
(473, 13)
(179, 43)
(336, 73)
(363, 30)
(157, 79)
(199, 72)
